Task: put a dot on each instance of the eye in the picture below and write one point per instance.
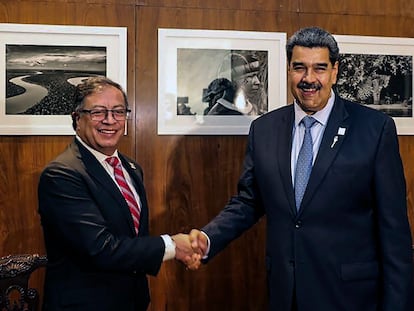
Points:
(98, 112)
(299, 68)
(119, 112)
(320, 69)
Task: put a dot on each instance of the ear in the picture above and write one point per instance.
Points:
(75, 119)
(75, 116)
(335, 71)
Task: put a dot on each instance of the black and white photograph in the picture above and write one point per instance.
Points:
(234, 82)
(41, 79)
(42, 64)
(217, 82)
(382, 82)
(378, 72)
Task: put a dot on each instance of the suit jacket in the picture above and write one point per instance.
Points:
(349, 246)
(96, 262)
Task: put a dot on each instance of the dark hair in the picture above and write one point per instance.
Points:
(88, 87)
(218, 88)
(312, 37)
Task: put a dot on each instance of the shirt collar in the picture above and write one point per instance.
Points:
(98, 155)
(321, 116)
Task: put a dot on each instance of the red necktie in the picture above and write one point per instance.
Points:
(126, 191)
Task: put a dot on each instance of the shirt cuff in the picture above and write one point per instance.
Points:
(208, 245)
(169, 252)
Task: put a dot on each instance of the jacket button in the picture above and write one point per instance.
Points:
(298, 224)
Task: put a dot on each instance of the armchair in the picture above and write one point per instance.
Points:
(15, 271)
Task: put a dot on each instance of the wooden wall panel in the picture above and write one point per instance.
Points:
(22, 158)
(389, 26)
(192, 177)
(358, 8)
(258, 5)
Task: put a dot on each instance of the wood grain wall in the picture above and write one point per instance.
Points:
(188, 178)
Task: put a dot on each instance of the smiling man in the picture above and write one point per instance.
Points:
(312, 75)
(327, 174)
(94, 214)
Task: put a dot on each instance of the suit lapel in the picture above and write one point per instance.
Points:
(284, 158)
(95, 170)
(338, 120)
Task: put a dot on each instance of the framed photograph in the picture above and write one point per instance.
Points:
(42, 65)
(378, 72)
(215, 82)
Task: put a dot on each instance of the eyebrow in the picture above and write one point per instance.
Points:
(97, 106)
(303, 64)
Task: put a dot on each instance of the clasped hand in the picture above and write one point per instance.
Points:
(190, 248)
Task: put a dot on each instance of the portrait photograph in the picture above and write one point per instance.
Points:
(233, 82)
(215, 82)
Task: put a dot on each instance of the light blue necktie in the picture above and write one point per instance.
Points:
(304, 162)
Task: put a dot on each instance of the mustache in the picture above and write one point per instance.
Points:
(304, 85)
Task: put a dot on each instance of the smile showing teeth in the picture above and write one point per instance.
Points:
(309, 90)
(107, 131)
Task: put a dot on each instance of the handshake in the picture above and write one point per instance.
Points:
(190, 248)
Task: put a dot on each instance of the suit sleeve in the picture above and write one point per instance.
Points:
(75, 226)
(394, 230)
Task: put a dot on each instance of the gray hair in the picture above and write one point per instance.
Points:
(93, 85)
(312, 37)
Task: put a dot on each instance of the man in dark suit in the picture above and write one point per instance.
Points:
(344, 244)
(95, 216)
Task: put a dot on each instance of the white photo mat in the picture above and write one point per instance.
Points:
(171, 40)
(113, 39)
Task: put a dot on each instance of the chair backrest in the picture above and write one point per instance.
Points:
(15, 271)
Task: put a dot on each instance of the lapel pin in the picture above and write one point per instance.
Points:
(341, 131)
(334, 141)
(132, 165)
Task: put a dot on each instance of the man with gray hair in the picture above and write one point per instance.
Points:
(95, 214)
(328, 175)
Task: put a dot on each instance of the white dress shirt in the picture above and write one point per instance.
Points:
(317, 131)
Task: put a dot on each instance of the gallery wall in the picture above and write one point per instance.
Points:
(188, 177)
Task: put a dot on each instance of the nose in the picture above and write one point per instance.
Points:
(308, 76)
(109, 117)
(255, 80)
